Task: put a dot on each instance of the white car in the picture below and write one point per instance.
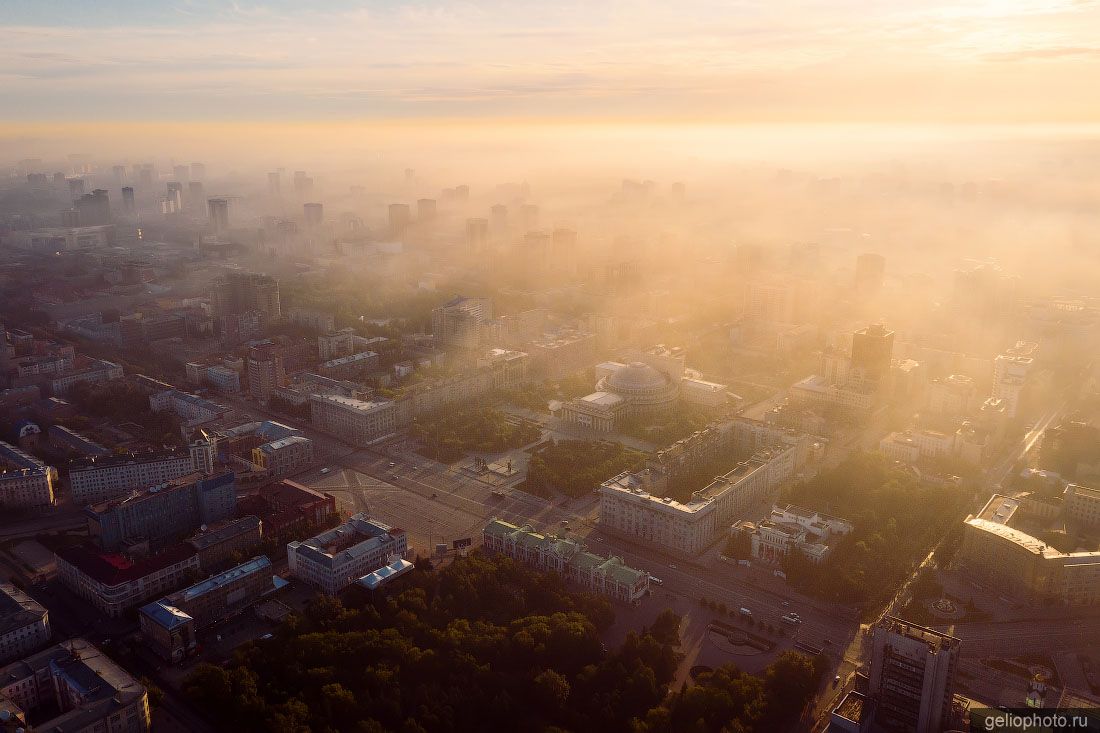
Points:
(326, 469)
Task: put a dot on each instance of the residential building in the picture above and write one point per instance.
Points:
(607, 576)
(1011, 370)
(356, 421)
(912, 676)
(164, 512)
(954, 395)
(98, 479)
(114, 582)
(265, 369)
(284, 457)
(241, 292)
(24, 624)
(89, 371)
(25, 481)
(168, 626)
(351, 366)
(345, 342)
(457, 323)
(554, 356)
(336, 558)
(793, 529)
(287, 504)
(217, 544)
(628, 509)
(312, 319)
(191, 409)
(507, 367)
(80, 687)
(910, 446)
(69, 441)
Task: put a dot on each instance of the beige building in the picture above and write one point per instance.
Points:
(284, 457)
(1014, 563)
(794, 529)
(359, 422)
(25, 481)
(79, 687)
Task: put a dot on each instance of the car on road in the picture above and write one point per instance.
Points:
(745, 612)
(671, 566)
(326, 469)
(836, 680)
(655, 580)
(785, 604)
(791, 619)
(393, 464)
(265, 637)
(565, 522)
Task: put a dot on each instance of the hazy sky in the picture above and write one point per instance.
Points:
(802, 61)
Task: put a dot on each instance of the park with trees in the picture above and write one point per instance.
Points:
(576, 467)
(449, 435)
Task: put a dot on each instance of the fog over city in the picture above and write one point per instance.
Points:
(477, 366)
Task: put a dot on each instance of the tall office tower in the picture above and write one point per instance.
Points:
(477, 236)
(76, 187)
(70, 218)
(462, 193)
(303, 184)
(410, 175)
(528, 216)
(872, 348)
(175, 193)
(399, 220)
(198, 172)
(128, 199)
(498, 218)
(146, 174)
(240, 292)
(534, 251)
(219, 214)
(425, 209)
(265, 370)
(167, 205)
(912, 677)
(94, 208)
(274, 182)
(181, 172)
(195, 195)
(314, 213)
(118, 172)
(870, 269)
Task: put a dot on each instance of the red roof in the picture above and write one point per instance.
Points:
(111, 569)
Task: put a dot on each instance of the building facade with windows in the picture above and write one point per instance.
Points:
(24, 624)
(333, 560)
(114, 582)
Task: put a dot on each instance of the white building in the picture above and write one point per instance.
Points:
(793, 528)
(359, 422)
(1010, 374)
(24, 624)
(955, 395)
(94, 480)
(191, 409)
(96, 371)
(910, 446)
(335, 559)
(284, 457)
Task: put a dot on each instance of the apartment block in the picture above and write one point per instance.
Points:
(333, 560)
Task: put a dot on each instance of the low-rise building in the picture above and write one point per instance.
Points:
(91, 371)
(24, 624)
(287, 504)
(114, 582)
(608, 576)
(168, 626)
(793, 529)
(284, 457)
(25, 481)
(76, 687)
(350, 366)
(191, 409)
(216, 545)
(333, 560)
(69, 441)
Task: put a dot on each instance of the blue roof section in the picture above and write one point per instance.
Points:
(257, 564)
(385, 574)
(165, 615)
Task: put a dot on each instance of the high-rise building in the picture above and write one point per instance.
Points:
(870, 269)
(872, 348)
(219, 214)
(457, 323)
(94, 208)
(265, 370)
(181, 172)
(528, 216)
(303, 184)
(70, 218)
(118, 173)
(399, 220)
(241, 292)
(175, 193)
(314, 214)
(477, 236)
(128, 199)
(76, 187)
(198, 172)
(146, 174)
(274, 182)
(498, 216)
(195, 194)
(425, 209)
(912, 677)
